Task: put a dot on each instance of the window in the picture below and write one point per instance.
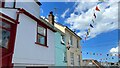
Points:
(77, 44)
(78, 59)
(7, 4)
(70, 40)
(65, 57)
(72, 59)
(41, 35)
(62, 39)
(4, 34)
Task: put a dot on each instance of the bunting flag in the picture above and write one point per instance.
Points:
(90, 53)
(100, 54)
(91, 25)
(87, 33)
(93, 21)
(89, 30)
(87, 52)
(97, 9)
(107, 54)
(112, 57)
(93, 53)
(94, 15)
(101, 0)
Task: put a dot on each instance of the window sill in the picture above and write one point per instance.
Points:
(40, 44)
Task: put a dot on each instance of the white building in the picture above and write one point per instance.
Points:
(33, 37)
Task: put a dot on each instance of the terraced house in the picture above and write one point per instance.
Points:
(74, 56)
(26, 39)
(29, 41)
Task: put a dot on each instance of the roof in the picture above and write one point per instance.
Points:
(68, 29)
(38, 20)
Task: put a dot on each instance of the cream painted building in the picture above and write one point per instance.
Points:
(74, 56)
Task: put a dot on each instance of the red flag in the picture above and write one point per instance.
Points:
(97, 8)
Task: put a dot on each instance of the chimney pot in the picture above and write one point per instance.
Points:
(51, 18)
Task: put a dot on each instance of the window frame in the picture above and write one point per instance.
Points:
(7, 29)
(45, 37)
(63, 39)
(71, 40)
(3, 4)
(77, 44)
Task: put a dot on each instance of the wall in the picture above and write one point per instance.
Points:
(26, 51)
(31, 6)
(60, 27)
(73, 49)
(59, 51)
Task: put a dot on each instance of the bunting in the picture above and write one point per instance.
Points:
(91, 25)
(93, 21)
(94, 15)
(97, 9)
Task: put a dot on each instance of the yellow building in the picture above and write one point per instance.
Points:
(74, 56)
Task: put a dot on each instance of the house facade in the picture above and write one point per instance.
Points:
(26, 39)
(60, 49)
(74, 56)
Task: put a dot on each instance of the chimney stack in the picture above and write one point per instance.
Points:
(51, 18)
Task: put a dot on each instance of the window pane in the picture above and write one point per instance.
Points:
(4, 38)
(41, 39)
(41, 30)
(4, 24)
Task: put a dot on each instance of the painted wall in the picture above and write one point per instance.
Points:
(60, 27)
(26, 51)
(59, 51)
(9, 12)
(73, 49)
(29, 5)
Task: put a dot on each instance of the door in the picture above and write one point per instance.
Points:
(7, 40)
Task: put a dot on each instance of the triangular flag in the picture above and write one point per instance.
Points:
(101, 0)
(107, 54)
(87, 52)
(89, 30)
(97, 8)
(94, 15)
(93, 21)
(91, 25)
(87, 33)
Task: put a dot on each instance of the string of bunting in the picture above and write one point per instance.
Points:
(109, 56)
(100, 54)
(91, 25)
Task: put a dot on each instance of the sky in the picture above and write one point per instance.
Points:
(103, 38)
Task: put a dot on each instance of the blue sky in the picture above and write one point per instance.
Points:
(103, 38)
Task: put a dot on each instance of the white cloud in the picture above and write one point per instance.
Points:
(107, 18)
(64, 14)
(56, 19)
(114, 51)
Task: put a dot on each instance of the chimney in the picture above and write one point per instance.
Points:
(51, 18)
